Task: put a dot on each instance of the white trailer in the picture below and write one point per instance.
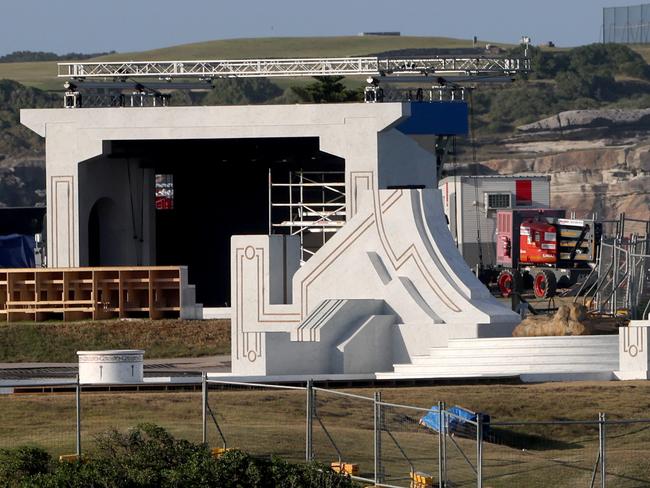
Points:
(471, 204)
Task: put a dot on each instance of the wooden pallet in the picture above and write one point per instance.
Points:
(95, 293)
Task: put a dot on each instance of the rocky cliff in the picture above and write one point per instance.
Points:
(599, 160)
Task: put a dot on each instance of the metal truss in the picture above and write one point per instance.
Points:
(252, 68)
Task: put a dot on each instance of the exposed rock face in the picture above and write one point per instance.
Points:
(22, 181)
(589, 173)
(586, 119)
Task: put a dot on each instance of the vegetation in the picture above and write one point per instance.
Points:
(29, 56)
(586, 77)
(326, 89)
(60, 341)
(271, 422)
(150, 457)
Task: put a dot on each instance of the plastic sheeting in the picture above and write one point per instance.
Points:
(456, 419)
(17, 251)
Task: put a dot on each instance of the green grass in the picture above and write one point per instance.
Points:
(43, 74)
(265, 422)
(59, 341)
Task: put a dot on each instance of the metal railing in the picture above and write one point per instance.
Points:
(380, 442)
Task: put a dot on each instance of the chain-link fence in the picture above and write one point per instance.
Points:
(342, 431)
(386, 444)
(626, 25)
(410, 444)
(177, 411)
(261, 419)
(39, 417)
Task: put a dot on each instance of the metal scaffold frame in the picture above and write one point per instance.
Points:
(294, 67)
(309, 202)
(619, 284)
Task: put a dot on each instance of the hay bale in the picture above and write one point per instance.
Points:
(567, 321)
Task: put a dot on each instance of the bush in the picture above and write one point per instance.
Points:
(150, 457)
(22, 462)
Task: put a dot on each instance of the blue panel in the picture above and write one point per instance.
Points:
(439, 118)
(17, 251)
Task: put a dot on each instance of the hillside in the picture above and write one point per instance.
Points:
(22, 172)
(43, 74)
(603, 169)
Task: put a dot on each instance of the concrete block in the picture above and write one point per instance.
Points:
(634, 360)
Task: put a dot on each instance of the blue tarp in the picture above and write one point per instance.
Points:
(456, 419)
(17, 251)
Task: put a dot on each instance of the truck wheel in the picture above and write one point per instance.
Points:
(544, 284)
(505, 282)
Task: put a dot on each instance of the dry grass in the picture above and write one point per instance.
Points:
(59, 341)
(272, 422)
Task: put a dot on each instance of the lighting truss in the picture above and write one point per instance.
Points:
(253, 68)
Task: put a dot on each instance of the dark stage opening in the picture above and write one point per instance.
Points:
(220, 189)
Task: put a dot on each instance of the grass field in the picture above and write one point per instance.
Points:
(43, 74)
(59, 341)
(267, 422)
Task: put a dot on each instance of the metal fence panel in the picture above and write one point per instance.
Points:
(41, 419)
(179, 412)
(261, 420)
(343, 429)
(626, 25)
(408, 446)
(627, 463)
(542, 454)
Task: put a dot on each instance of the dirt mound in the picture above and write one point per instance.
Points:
(569, 320)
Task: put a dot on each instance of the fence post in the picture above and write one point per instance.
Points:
(204, 407)
(445, 424)
(602, 435)
(309, 456)
(479, 450)
(440, 444)
(378, 425)
(78, 408)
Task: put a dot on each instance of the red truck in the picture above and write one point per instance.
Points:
(549, 250)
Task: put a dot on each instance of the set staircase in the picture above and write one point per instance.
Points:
(514, 356)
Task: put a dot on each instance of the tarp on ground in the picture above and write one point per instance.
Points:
(17, 251)
(457, 421)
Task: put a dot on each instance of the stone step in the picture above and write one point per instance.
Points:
(533, 358)
(443, 354)
(536, 359)
(503, 370)
(508, 342)
(525, 377)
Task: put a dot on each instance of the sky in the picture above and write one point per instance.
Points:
(136, 25)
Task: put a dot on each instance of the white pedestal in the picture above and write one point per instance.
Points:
(633, 357)
(123, 366)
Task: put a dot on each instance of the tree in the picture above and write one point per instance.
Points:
(241, 91)
(327, 89)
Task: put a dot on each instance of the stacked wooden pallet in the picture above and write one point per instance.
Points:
(96, 293)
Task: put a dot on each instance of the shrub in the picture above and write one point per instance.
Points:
(150, 457)
(22, 462)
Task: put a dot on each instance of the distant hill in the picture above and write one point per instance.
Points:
(29, 56)
(42, 74)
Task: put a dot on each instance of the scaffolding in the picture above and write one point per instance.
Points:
(307, 204)
(619, 284)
